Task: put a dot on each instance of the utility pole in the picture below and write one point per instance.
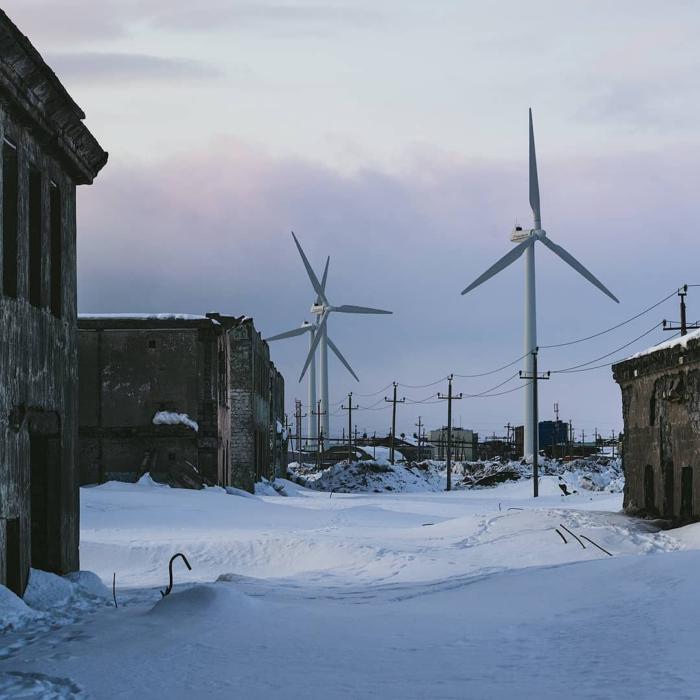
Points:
(319, 447)
(393, 401)
(684, 326)
(612, 434)
(349, 408)
(570, 447)
(419, 425)
(297, 417)
(449, 398)
(534, 378)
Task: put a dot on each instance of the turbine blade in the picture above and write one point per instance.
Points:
(323, 279)
(290, 334)
(317, 339)
(534, 181)
(350, 309)
(506, 260)
(571, 260)
(339, 355)
(310, 272)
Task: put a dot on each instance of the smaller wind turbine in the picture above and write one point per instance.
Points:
(526, 244)
(311, 329)
(322, 309)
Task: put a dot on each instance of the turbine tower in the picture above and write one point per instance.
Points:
(322, 309)
(526, 244)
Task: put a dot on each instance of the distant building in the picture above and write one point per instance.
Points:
(177, 396)
(46, 153)
(661, 442)
(552, 434)
(464, 444)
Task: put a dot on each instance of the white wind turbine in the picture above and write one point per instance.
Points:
(309, 328)
(526, 244)
(319, 336)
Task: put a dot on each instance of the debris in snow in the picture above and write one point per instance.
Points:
(592, 474)
(172, 418)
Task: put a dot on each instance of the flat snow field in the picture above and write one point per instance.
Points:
(468, 594)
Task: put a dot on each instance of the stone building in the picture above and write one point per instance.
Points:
(47, 151)
(661, 442)
(166, 393)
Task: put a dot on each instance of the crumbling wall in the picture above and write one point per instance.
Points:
(661, 444)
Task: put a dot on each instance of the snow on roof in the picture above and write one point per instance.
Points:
(145, 317)
(680, 340)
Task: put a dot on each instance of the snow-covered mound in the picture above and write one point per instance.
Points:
(50, 597)
(591, 474)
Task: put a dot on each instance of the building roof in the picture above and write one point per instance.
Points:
(667, 355)
(155, 320)
(33, 89)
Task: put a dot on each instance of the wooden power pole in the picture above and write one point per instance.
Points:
(349, 408)
(534, 378)
(449, 398)
(393, 401)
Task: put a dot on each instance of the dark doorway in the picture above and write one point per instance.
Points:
(669, 495)
(687, 493)
(14, 557)
(649, 500)
(39, 493)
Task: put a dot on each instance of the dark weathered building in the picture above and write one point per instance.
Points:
(46, 153)
(167, 394)
(153, 397)
(661, 443)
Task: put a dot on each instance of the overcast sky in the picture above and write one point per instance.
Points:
(393, 136)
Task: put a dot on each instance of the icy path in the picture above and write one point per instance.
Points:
(461, 595)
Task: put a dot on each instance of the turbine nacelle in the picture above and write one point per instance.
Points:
(519, 234)
(317, 309)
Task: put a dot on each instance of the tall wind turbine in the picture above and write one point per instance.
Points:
(322, 309)
(526, 244)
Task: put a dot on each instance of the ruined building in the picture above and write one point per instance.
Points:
(190, 399)
(661, 443)
(46, 152)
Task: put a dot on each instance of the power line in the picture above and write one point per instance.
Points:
(612, 352)
(612, 328)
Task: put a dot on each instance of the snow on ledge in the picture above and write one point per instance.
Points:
(172, 418)
(681, 340)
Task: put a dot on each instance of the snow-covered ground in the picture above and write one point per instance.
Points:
(468, 594)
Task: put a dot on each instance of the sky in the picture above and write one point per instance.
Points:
(391, 136)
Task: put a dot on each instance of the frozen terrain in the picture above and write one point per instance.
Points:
(468, 594)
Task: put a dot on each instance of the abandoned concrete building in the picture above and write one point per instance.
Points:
(190, 399)
(661, 442)
(46, 152)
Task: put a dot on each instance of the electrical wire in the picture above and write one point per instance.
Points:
(492, 371)
(612, 352)
(612, 328)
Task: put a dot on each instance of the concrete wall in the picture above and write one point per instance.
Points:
(661, 443)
